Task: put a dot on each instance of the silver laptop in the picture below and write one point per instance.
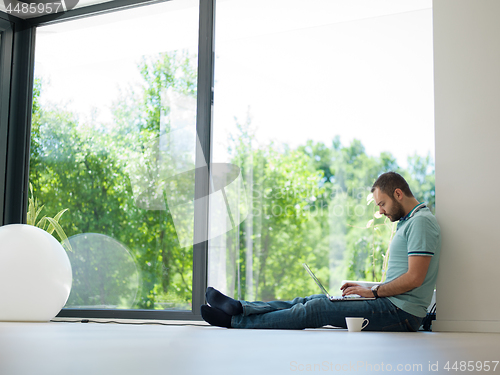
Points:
(351, 297)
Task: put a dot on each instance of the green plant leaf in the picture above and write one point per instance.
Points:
(30, 219)
(61, 233)
(41, 223)
(58, 216)
(37, 212)
(51, 228)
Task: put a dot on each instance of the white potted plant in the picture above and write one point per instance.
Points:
(35, 271)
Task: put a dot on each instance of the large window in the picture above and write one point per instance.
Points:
(114, 143)
(313, 100)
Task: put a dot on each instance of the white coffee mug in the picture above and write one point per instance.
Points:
(356, 324)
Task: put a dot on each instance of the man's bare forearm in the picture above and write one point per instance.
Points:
(400, 285)
(397, 286)
(414, 277)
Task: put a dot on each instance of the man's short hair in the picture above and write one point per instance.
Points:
(390, 181)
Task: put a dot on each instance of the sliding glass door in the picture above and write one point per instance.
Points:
(114, 148)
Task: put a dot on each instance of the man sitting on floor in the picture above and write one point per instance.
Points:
(401, 302)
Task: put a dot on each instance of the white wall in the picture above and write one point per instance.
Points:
(467, 110)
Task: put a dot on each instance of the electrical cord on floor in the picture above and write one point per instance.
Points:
(132, 323)
(150, 323)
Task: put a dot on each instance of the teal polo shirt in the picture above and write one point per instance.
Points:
(417, 234)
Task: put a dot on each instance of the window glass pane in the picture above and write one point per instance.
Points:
(313, 100)
(113, 142)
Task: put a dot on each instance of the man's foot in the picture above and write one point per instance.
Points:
(222, 302)
(215, 316)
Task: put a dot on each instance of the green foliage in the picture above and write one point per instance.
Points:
(307, 204)
(85, 168)
(48, 224)
(380, 238)
(334, 227)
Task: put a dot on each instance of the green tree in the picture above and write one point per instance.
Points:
(282, 185)
(335, 230)
(85, 167)
(306, 204)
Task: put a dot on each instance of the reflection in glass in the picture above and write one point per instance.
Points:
(104, 273)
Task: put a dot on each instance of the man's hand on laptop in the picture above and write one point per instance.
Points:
(352, 288)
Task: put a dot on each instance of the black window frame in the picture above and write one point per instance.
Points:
(16, 69)
(6, 32)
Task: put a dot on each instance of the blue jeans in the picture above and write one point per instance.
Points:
(317, 311)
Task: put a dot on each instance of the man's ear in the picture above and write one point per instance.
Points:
(398, 194)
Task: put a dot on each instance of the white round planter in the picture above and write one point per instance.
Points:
(35, 274)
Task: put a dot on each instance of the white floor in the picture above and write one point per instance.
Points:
(87, 348)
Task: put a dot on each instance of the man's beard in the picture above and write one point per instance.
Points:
(398, 212)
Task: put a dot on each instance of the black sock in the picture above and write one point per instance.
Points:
(215, 316)
(220, 301)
